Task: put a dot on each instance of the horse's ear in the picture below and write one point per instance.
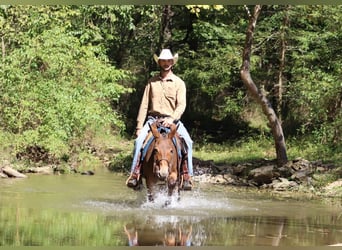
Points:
(173, 128)
(154, 130)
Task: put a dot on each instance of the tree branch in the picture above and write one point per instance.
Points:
(257, 94)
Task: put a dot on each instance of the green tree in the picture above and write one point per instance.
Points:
(211, 42)
(257, 94)
(315, 86)
(60, 45)
(54, 89)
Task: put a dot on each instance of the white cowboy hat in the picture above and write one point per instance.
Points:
(166, 54)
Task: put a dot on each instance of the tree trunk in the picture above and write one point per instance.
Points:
(166, 27)
(257, 94)
(279, 88)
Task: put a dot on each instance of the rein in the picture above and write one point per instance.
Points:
(157, 163)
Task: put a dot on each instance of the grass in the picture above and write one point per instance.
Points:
(314, 151)
(263, 148)
(238, 152)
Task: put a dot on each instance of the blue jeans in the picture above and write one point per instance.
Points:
(183, 133)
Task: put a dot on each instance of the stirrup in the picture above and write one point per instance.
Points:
(133, 181)
(186, 183)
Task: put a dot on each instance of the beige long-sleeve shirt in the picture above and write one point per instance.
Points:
(166, 97)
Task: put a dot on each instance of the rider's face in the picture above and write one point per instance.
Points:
(166, 64)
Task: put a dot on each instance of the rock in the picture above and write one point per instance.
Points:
(286, 171)
(239, 170)
(296, 175)
(41, 170)
(283, 184)
(335, 184)
(302, 175)
(217, 179)
(301, 164)
(204, 167)
(334, 188)
(88, 172)
(230, 179)
(263, 175)
(221, 179)
(202, 178)
(12, 172)
(3, 175)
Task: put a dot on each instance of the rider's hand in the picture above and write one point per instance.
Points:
(167, 121)
(137, 131)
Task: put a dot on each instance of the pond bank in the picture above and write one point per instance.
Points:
(299, 176)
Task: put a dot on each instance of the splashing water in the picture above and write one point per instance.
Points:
(190, 203)
(188, 200)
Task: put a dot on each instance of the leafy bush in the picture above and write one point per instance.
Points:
(54, 89)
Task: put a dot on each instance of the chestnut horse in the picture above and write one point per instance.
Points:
(162, 160)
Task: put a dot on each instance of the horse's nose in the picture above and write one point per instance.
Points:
(163, 173)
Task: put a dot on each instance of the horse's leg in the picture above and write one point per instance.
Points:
(150, 189)
(150, 197)
(171, 184)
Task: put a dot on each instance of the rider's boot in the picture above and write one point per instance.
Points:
(186, 183)
(134, 180)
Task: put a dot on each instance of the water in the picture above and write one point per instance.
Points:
(76, 210)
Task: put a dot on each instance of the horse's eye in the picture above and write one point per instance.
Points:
(171, 151)
(155, 151)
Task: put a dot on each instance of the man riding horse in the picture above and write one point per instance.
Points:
(164, 100)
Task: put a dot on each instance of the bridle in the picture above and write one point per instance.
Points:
(156, 167)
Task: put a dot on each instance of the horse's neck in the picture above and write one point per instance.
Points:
(149, 150)
(148, 142)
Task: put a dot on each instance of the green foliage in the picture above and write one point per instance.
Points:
(211, 67)
(307, 147)
(322, 180)
(311, 76)
(55, 88)
(121, 163)
(314, 90)
(58, 79)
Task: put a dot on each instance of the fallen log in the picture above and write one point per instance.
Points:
(10, 172)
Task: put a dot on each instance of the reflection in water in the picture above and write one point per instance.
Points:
(234, 231)
(158, 235)
(100, 211)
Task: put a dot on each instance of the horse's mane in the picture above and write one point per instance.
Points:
(163, 130)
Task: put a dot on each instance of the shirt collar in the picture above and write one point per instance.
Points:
(168, 78)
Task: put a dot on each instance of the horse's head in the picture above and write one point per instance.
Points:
(165, 153)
